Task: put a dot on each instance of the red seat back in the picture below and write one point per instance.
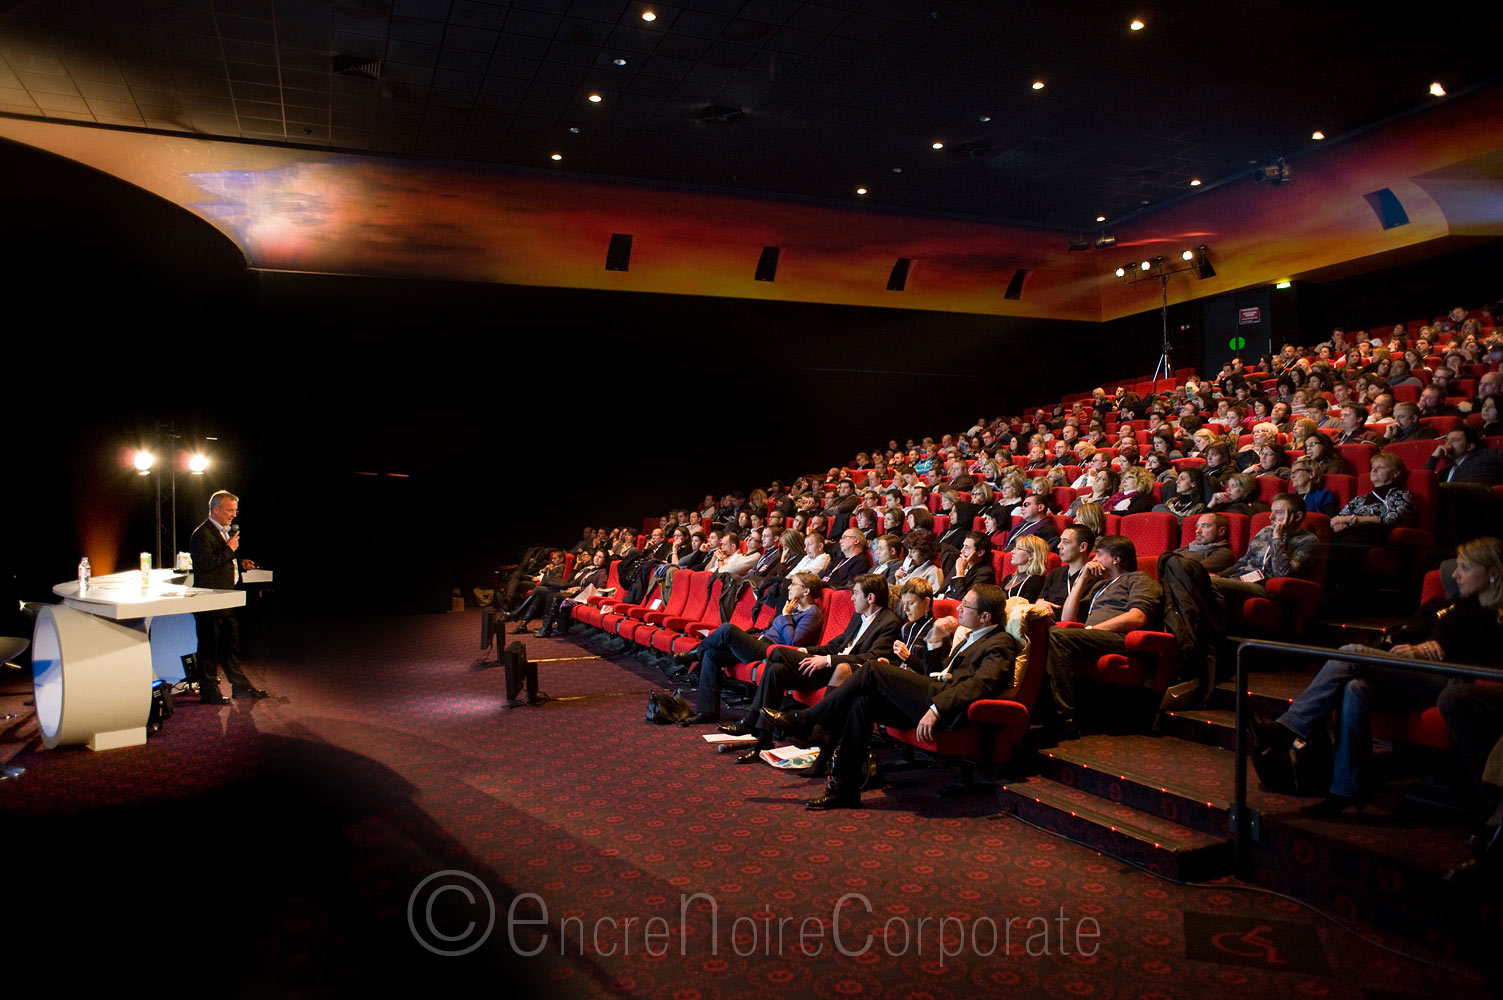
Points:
(1413, 453)
(1151, 533)
(838, 611)
(1344, 486)
(697, 598)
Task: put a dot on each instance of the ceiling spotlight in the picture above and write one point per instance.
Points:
(1136, 25)
(897, 170)
(1276, 172)
(143, 461)
(861, 190)
(1038, 85)
(939, 145)
(574, 129)
(1100, 218)
(985, 118)
(1146, 265)
(1071, 246)
(1436, 90)
(619, 61)
(1317, 135)
(1121, 272)
(1104, 242)
(197, 464)
(1187, 255)
(1195, 182)
(648, 15)
(556, 156)
(595, 98)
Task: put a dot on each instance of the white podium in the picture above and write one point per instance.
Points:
(92, 675)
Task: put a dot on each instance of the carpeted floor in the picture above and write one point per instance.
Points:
(285, 848)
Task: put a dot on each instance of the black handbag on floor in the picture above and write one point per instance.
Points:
(667, 708)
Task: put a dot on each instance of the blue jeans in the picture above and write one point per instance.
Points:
(1360, 690)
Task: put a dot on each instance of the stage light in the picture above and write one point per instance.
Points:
(556, 156)
(1100, 218)
(939, 145)
(1071, 246)
(1105, 242)
(1317, 135)
(1136, 25)
(1146, 265)
(197, 464)
(1121, 272)
(1436, 90)
(861, 190)
(1195, 183)
(1187, 255)
(619, 61)
(595, 98)
(143, 461)
(648, 15)
(1038, 85)
(1203, 268)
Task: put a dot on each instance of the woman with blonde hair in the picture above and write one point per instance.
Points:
(1092, 516)
(1468, 629)
(1030, 559)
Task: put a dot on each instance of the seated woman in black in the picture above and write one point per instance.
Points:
(1030, 557)
(1324, 457)
(545, 600)
(1468, 629)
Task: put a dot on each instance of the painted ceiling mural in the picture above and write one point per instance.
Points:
(315, 211)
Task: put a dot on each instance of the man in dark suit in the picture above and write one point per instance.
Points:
(214, 546)
(1036, 521)
(983, 664)
(852, 561)
(974, 566)
(872, 630)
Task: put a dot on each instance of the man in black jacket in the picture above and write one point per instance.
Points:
(981, 665)
(214, 547)
(872, 630)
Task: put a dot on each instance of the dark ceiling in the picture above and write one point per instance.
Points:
(808, 99)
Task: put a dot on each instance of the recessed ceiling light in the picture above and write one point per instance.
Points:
(648, 15)
(1317, 134)
(1038, 85)
(861, 190)
(595, 98)
(1136, 25)
(619, 61)
(556, 156)
(986, 118)
(1100, 218)
(897, 170)
(1436, 90)
(1195, 183)
(939, 145)
(574, 129)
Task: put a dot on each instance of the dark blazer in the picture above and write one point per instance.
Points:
(843, 572)
(878, 638)
(956, 586)
(987, 668)
(213, 559)
(1043, 527)
(1481, 465)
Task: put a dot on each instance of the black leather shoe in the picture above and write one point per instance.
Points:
(751, 756)
(254, 694)
(789, 724)
(742, 727)
(686, 658)
(521, 627)
(835, 799)
(701, 718)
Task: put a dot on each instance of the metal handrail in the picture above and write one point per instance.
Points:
(1241, 821)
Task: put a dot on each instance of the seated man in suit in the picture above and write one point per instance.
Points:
(972, 566)
(851, 563)
(730, 644)
(1122, 600)
(982, 664)
(1036, 521)
(872, 629)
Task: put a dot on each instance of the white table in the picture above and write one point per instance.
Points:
(92, 675)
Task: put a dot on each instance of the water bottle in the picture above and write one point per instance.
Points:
(84, 572)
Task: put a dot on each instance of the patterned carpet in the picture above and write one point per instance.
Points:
(285, 847)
